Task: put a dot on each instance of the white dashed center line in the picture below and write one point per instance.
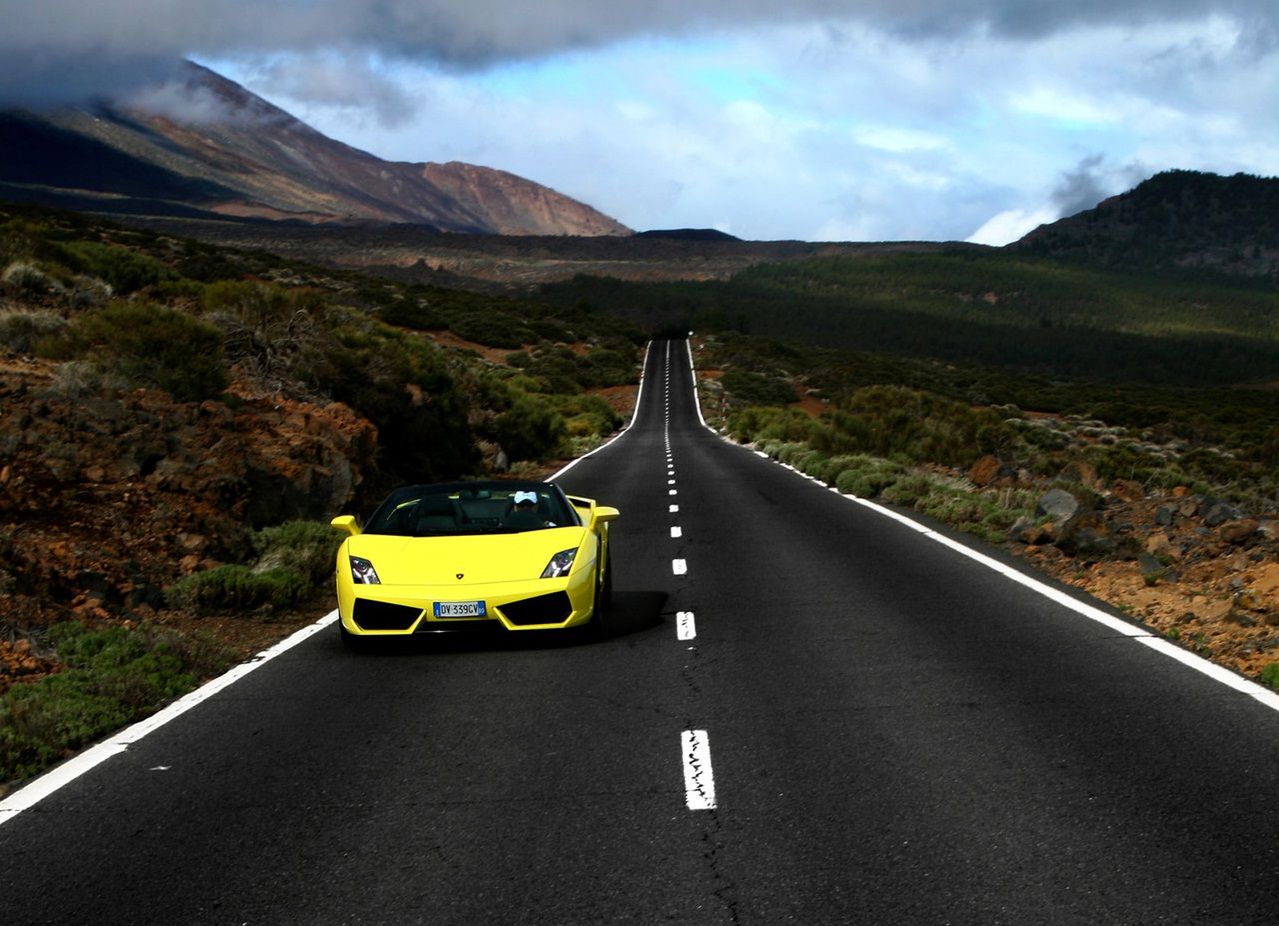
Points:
(699, 782)
(685, 628)
(679, 567)
(676, 532)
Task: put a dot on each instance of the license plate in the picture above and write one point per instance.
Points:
(460, 609)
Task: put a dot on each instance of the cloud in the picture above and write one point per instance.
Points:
(1081, 188)
(349, 82)
(1012, 224)
(56, 48)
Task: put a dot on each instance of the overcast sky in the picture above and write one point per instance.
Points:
(809, 119)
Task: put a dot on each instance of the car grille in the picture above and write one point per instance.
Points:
(383, 615)
(544, 609)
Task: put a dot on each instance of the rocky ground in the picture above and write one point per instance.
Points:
(108, 498)
(1189, 567)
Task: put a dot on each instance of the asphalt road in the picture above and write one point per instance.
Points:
(886, 732)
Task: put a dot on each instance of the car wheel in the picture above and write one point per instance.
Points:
(602, 623)
(353, 642)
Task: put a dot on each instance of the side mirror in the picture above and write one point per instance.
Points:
(345, 522)
(604, 514)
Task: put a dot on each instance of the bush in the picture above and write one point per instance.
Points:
(746, 388)
(23, 277)
(112, 677)
(125, 270)
(530, 429)
(1270, 675)
(401, 384)
(239, 588)
(273, 334)
(307, 548)
(867, 477)
(148, 346)
(21, 330)
(410, 314)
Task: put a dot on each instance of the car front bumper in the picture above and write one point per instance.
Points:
(403, 610)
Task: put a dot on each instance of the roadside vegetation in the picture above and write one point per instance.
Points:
(980, 307)
(109, 677)
(439, 384)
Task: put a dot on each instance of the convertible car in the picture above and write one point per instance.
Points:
(474, 555)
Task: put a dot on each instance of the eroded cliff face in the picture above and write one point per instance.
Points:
(107, 498)
(218, 149)
(515, 206)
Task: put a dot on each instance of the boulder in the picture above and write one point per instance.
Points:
(1057, 504)
(1130, 490)
(1027, 530)
(1087, 535)
(1217, 512)
(984, 471)
(1237, 531)
(1158, 544)
(1079, 471)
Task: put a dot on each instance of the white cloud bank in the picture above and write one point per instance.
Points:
(868, 119)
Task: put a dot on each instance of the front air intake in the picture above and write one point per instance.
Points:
(544, 609)
(383, 615)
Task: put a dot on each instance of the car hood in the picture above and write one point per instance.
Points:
(477, 559)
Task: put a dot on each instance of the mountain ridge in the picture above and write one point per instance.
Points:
(210, 145)
(1175, 220)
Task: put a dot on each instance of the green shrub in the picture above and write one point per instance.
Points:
(273, 334)
(21, 330)
(400, 383)
(760, 423)
(867, 477)
(147, 345)
(24, 277)
(239, 588)
(747, 388)
(1270, 675)
(112, 677)
(530, 429)
(124, 269)
(407, 313)
(307, 548)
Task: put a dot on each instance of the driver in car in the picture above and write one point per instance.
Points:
(524, 516)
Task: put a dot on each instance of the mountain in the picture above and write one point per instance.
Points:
(211, 147)
(1176, 219)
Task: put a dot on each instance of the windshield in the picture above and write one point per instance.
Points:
(472, 508)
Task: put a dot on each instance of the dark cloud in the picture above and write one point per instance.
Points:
(1081, 188)
(56, 49)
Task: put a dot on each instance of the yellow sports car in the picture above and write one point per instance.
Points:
(474, 555)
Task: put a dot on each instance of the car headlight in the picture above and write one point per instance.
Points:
(363, 573)
(560, 564)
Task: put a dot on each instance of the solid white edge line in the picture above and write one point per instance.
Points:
(54, 779)
(697, 398)
(685, 625)
(58, 777)
(1145, 636)
(699, 780)
(620, 434)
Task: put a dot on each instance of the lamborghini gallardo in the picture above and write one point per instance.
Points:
(495, 555)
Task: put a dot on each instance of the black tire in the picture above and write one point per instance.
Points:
(602, 623)
(353, 642)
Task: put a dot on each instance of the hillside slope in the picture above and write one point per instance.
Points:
(220, 149)
(1178, 219)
